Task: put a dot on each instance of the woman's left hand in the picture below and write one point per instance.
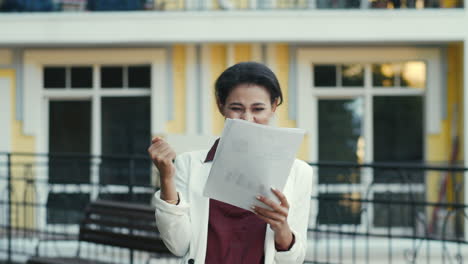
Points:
(277, 218)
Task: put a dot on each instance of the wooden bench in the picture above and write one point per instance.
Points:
(117, 224)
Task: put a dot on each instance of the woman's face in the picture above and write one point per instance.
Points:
(249, 102)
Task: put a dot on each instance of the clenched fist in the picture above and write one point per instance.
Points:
(162, 156)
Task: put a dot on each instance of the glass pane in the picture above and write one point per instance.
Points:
(398, 129)
(125, 131)
(69, 132)
(352, 75)
(339, 208)
(398, 136)
(397, 209)
(66, 208)
(81, 77)
(383, 75)
(55, 77)
(340, 138)
(413, 74)
(139, 76)
(324, 75)
(112, 77)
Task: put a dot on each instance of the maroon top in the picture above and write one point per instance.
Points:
(235, 235)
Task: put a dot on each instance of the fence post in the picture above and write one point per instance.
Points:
(132, 196)
(9, 202)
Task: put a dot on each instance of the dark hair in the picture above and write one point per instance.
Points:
(247, 73)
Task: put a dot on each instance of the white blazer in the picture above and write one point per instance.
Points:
(184, 227)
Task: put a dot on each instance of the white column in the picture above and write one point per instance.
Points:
(306, 103)
(5, 136)
(230, 55)
(270, 61)
(465, 124)
(191, 96)
(96, 141)
(206, 91)
(5, 114)
(159, 96)
(257, 52)
(32, 96)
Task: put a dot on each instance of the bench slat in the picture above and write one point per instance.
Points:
(44, 260)
(136, 225)
(132, 241)
(122, 212)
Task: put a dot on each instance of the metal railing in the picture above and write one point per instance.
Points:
(389, 213)
(361, 213)
(43, 197)
(212, 5)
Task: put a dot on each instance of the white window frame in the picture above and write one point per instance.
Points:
(308, 96)
(5, 140)
(37, 98)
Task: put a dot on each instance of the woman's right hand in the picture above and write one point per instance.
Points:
(162, 156)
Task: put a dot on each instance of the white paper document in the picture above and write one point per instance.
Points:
(250, 159)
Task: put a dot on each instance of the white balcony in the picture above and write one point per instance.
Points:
(308, 24)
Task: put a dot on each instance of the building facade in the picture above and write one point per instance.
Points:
(368, 84)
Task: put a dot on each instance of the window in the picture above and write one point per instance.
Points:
(345, 105)
(64, 77)
(366, 105)
(123, 97)
(70, 132)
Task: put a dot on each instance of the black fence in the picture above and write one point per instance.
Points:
(361, 213)
(194, 5)
(389, 213)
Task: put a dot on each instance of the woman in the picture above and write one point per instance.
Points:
(204, 230)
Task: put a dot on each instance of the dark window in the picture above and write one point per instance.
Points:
(398, 129)
(55, 77)
(69, 132)
(125, 131)
(139, 76)
(340, 123)
(324, 75)
(398, 134)
(81, 77)
(112, 77)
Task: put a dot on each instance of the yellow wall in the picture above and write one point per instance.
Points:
(6, 57)
(455, 108)
(242, 52)
(177, 125)
(22, 215)
(450, 3)
(282, 72)
(440, 146)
